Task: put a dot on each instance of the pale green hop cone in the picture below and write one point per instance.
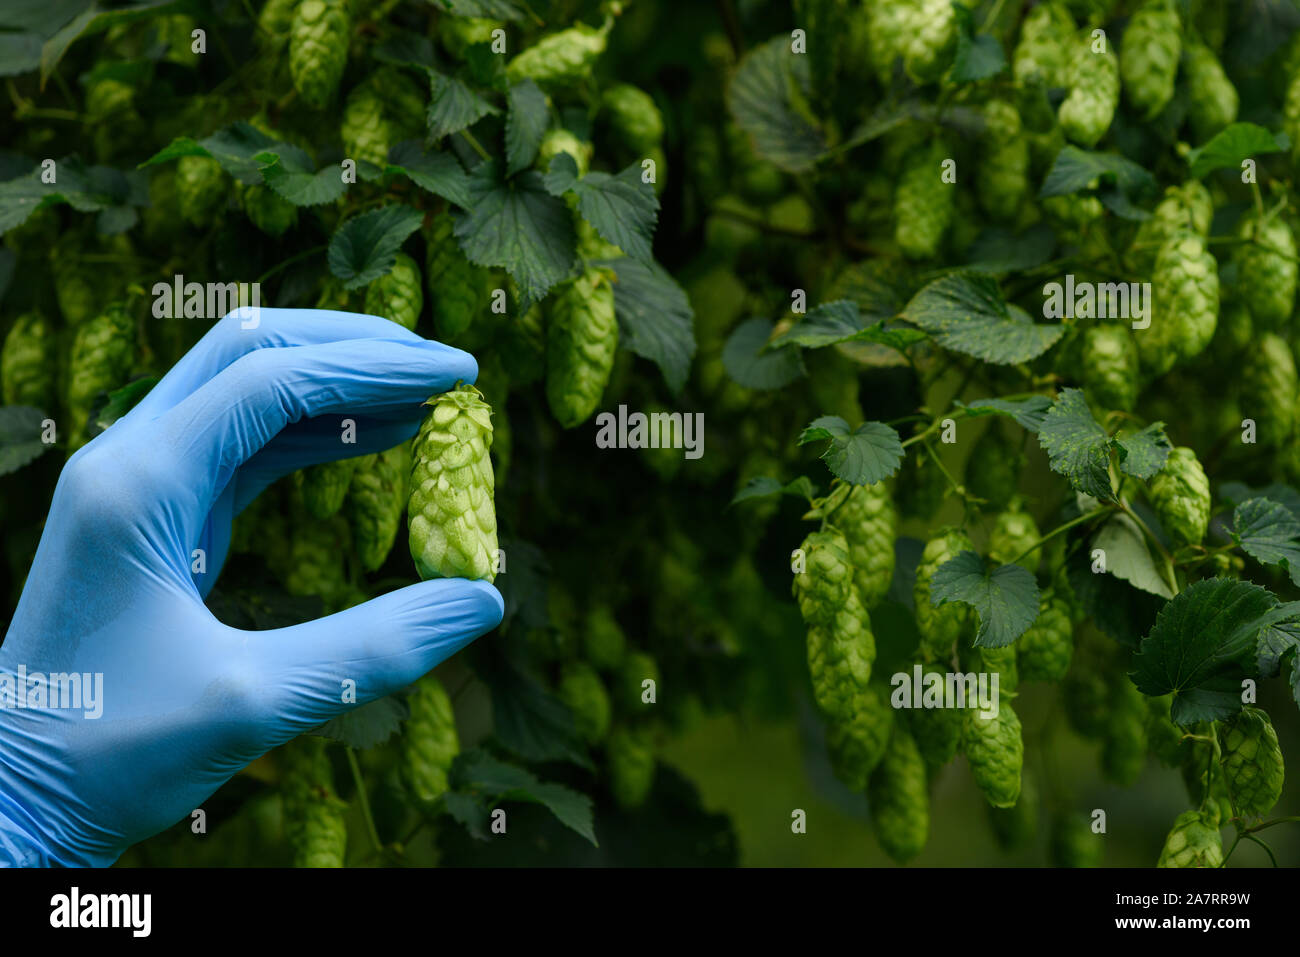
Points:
(451, 513)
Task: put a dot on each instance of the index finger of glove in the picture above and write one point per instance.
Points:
(247, 330)
(228, 419)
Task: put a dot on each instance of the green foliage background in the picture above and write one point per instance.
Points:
(776, 171)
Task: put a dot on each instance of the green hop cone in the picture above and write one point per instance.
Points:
(376, 498)
(1148, 56)
(996, 752)
(398, 295)
(1041, 53)
(897, 798)
(630, 761)
(1085, 115)
(429, 742)
(1014, 827)
(1002, 176)
(457, 288)
(1124, 741)
(940, 625)
(1110, 366)
(1268, 390)
(931, 39)
(365, 131)
(558, 140)
(76, 286)
(1193, 841)
(1014, 531)
(451, 512)
(1266, 270)
(937, 730)
(888, 25)
(923, 206)
(1185, 207)
(584, 694)
(869, 521)
(630, 686)
(318, 49)
(995, 661)
(822, 588)
(603, 641)
(1073, 843)
(315, 560)
(458, 34)
(313, 814)
(560, 59)
(993, 469)
(1212, 97)
(275, 21)
(267, 210)
(1180, 495)
(1252, 762)
(581, 337)
(633, 116)
(856, 742)
(325, 486)
(200, 188)
(840, 656)
(1043, 652)
(28, 363)
(103, 351)
(1184, 304)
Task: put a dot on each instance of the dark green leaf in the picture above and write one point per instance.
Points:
(1231, 145)
(369, 725)
(1029, 412)
(861, 456)
(1269, 533)
(1203, 645)
(762, 486)
(365, 247)
(481, 775)
(123, 400)
(439, 173)
(484, 9)
(20, 437)
(655, 319)
(824, 325)
(526, 122)
(998, 251)
(748, 362)
(979, 56)
(1005, 597)
(1075, 169)
(453, 106)
(1235, 493)
(517, 225)
(766, 98)
(623, 209)
(526, 718)
(290, 172)
(19, 53)
(1076, 446)
(1143, 454)
(966, 313)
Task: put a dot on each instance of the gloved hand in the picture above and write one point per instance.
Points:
(188, 701)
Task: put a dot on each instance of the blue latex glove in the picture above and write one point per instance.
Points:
(188, 701)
